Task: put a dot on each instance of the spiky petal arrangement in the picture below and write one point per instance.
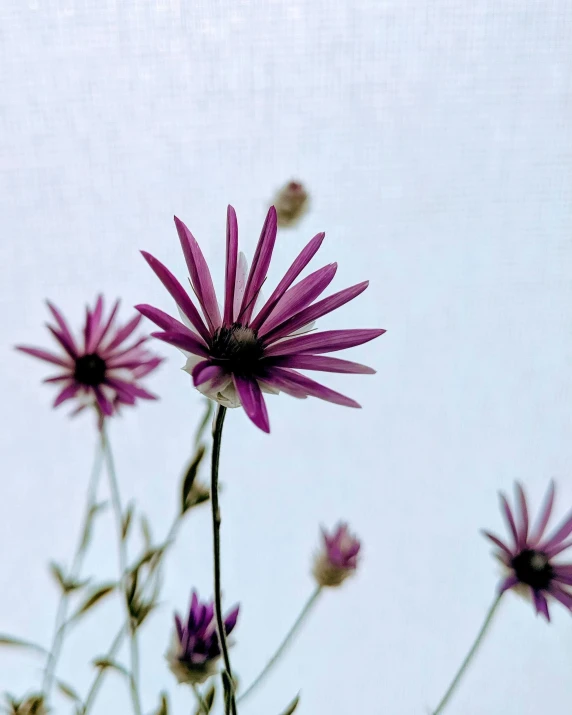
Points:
(338, 557)
(530, 557)
(101, 368)
(235, 356)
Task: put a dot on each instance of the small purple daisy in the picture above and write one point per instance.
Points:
(195, 649)
(235, 356)
(100, 369)
(338, 558)
(530, 558)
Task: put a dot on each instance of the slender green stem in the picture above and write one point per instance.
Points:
(203, 706)
(73, 575)
(285, 643)
(111, 653)
(117, 508)
(118, 641)
(230, 705)
(469, 656)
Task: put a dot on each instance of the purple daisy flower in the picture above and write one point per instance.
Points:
(100, 369)
(530, 557)
(195, 649)
(236, 355)
(338, 558)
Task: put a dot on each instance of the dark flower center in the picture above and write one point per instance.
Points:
(90, 370)
(533, 568)
(237, 349)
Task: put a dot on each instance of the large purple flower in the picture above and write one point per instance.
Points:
(530, 558)
(100, 369)
(338, 558)
(195, 649)
(235, 356)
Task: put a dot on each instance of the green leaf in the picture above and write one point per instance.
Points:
(95, 509)
(58, 573)
(146, 531)
(204, 422)
(293, 705)
(148, 556)
(68, 691)
(94, 597)
(163, 705)
(207, 702)
(126, 521)
(189, 479)
(104, 663)
(20, 643)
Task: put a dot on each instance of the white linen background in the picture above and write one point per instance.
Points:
(435, 138)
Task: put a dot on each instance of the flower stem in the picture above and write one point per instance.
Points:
(75, 570)
(116, 501)
(282, 647)
(217, 436)
(111, 653)
(469, 656)
(202, 705)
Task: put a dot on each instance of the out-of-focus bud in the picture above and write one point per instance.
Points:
(195, 651)
(338, 557)
(291, 203)
(32, 705)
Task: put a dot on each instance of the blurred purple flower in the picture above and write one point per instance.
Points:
(530, 558)
(195, 650)
(338, 558)
(236, 356)
(99, 369)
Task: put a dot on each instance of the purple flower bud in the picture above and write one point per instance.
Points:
(195, 649)
(291, 203)
(338, 558)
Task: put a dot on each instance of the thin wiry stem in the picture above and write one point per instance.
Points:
(73, 575)
(283, 645)
(469, 656)
(230, 704)
(202, 705)
(116, 501)
(111, 653)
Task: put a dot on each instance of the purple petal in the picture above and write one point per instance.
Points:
(508, 583)
(541, 604)
(164, 320)
(323, 342)
(253, 402)
(67, 393)
(523, 521)
(555, 550)
(498, 543)
(300, 296)
(290, 276)
(123, 333)
(184, 341)
(561, 534)
(94, 322)
(68, 346)
(259, 267)
(179, 626)
(44, 355)
(324, 364)
(178, 293)
(509, 519)
(205, 371)
(129, 389)
(105, 329)
(561, 595)
(62, 324)
(200, 275)
(58, 378)
(231, 263)
(544, 516)
(315, 311)
(284, 377)
(104, 404)
(230, 620)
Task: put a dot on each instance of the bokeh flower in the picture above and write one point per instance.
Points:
(530, 557)
(338, 557)
(235, 356)
(291, 203)
(195, 650)
(99, 369)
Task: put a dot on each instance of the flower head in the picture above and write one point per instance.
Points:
(195, 650)
(235, 356)
(338, 558)
(530, 555)
(99, 369)
(291, 203)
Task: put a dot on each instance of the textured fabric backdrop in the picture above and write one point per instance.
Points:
(434, 136)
